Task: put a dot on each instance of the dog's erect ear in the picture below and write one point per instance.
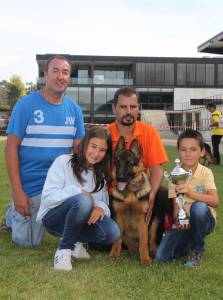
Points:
(121, 144)
(135, 149)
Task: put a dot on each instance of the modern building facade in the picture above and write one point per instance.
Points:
(172, 84)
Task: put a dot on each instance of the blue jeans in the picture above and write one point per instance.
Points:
(69, 221)
(178, 243)
(25, 230)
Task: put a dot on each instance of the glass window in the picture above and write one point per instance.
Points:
(110, 97)
(121, 74)
(84, 99)
(154, 90)
(82, 73)
(72, 93)
(142, 89)
(110, 75)
(99, 77)
(99, 99)
(110, 94)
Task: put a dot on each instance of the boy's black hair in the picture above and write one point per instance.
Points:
(191, 134)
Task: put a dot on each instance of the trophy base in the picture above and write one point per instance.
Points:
(183, 221)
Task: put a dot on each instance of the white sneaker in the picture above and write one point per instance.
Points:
(62, 260)
(80, 251)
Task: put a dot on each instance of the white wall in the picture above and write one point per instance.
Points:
(183, 95)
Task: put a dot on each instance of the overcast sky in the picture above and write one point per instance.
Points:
(96, 27)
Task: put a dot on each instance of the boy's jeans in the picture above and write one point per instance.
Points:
(177, 243)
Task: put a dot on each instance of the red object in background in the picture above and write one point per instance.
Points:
(168, 221)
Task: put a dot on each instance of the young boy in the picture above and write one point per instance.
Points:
(201, 198)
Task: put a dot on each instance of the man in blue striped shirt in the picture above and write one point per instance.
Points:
(43, 125)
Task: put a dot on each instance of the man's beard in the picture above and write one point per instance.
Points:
(127, 120)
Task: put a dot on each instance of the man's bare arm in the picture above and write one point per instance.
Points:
(156, 176)
(75, 144)
(21, 201)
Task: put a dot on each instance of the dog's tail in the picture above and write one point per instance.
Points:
(209, 156)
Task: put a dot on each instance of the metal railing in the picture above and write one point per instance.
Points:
(202, 125)
(201, 103)
(176, 126)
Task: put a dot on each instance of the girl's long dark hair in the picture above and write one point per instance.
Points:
(102, 169)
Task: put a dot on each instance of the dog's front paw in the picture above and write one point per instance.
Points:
(114, 255)
(146, 260)
(116, 249)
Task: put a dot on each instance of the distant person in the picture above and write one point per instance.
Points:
(43, 125)
(75, 201)
(201, 198)
(216, 130)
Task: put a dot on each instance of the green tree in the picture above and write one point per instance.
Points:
(15, 89)
(3, 91)
(30, 87)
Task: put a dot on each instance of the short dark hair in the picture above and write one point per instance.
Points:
(57, 56)
(125, 91)
(211, 105)
(191, 134)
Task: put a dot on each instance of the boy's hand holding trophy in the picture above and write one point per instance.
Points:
(177, 176)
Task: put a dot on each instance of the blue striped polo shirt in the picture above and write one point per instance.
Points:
(46, 131)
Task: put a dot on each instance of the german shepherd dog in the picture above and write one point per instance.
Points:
(130, 200)
(207, 158)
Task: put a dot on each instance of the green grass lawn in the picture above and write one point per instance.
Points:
(27, 273)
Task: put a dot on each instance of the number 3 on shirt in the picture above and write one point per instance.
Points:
(38, 116)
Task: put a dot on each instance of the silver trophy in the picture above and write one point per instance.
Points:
(177, 176)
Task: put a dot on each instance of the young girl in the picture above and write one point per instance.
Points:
(74, 203)
(201, 198)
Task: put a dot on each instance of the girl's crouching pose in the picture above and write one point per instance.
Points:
(74, 203)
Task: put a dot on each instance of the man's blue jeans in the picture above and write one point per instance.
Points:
(25, 230)
(178, 243)
(69, 221)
